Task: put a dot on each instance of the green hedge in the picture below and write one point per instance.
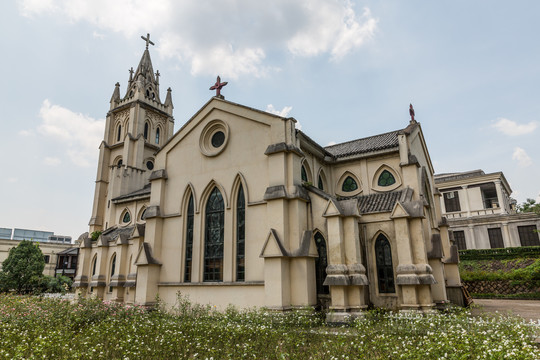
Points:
(503, 253)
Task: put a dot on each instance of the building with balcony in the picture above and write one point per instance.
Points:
(49, 243)
(481, 213)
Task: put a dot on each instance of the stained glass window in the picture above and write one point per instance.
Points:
(127, 218)
(213, 240)
(303, 174)
(189, 240)
(320, 184)
(321, 263)
(113, 268)
(157, 135)
(349, 185)
(94, 266)
(386, 179)
(240, 236)
(385, 270)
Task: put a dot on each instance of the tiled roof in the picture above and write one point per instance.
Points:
(112, 233)
(439, 178)
(369, 144)
(141, 192)
(382, 202)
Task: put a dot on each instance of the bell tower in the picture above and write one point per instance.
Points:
(136, 127)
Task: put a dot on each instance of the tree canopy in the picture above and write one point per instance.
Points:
(22, 271)
(530, 205)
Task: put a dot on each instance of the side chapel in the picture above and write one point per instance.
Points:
(240, 207)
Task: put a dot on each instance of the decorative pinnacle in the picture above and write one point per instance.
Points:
(147, 39)
(411, 112)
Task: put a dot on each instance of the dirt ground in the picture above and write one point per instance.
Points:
(527, 309)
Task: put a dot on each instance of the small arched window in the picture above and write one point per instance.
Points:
(349, 185)
(119, 133)
(240, 235)
(386, 179)
(320, 183)
(113, 269)
(385, 270)
(126, 218)
(157, 135)
(321, 262)
(213, 239)
(189, 240)
(119, 163)
(146, 129)
(303, 174)
(94, 265)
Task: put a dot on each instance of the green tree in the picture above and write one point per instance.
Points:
(530, 205)
(22, 271)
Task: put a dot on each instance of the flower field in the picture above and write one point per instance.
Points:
(41, 328)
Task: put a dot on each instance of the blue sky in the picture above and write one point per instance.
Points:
(343, 69)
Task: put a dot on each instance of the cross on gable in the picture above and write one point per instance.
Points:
(218, 86)
(147, 39)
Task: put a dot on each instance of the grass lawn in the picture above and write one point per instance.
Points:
(41, 328)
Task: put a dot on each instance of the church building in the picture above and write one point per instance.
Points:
(240, 207)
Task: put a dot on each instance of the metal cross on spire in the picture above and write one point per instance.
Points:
(218, 86)
(147, 39)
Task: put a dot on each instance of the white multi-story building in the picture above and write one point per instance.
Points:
(481, 213)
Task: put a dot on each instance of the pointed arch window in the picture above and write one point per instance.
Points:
(321, 262)
(386, 179)
(119, 133)
(213, 240)
(303, 174)
(240, 235)
(94, 265)
(146, 129)
(157, 135)
(126, 219)
(385, 270)
(320, 183)
(113, 269)
(349, 185)
(189, 241)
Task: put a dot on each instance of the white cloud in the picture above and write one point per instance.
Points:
(512, 128)
(520, 155)
(26, 133)
(80, 133)
(283, 112)
(334, 27)
(97, 35)
(331, 143)
(232, 38)
(52, 161)
(12, 180)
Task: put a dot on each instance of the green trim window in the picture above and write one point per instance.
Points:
(321, 262)
(189, 240)
(385, 270)
(320, 184)
(240, 236)
(303, 173)
(386, 179)
(349, 185)
(126, 218)
(213, 241)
